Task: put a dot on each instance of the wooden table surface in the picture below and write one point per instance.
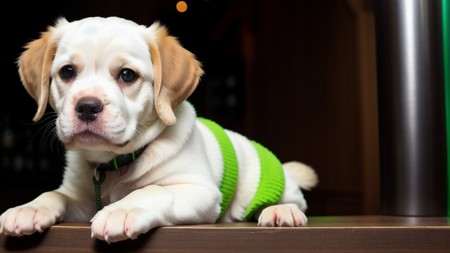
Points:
(323, 234)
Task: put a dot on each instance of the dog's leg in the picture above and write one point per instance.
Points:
(155, 206)
(283, 215)
(35, 216)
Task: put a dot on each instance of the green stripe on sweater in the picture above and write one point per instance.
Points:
(271, 180)
(230, 164)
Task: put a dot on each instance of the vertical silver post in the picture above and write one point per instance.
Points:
(411, 107)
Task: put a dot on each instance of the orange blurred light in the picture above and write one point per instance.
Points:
(181, 6)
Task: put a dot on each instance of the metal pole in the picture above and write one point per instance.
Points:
(411, 107)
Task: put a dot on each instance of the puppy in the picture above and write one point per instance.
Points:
(137, 155)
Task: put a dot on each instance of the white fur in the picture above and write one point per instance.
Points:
(177, 178)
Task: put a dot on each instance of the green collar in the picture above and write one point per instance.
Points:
(120, 163)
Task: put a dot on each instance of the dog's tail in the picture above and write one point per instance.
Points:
(304, 175)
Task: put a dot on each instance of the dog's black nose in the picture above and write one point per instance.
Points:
(88, 108)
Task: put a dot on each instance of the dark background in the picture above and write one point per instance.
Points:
(297, 76)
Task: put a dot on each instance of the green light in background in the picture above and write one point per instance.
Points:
(446, 50)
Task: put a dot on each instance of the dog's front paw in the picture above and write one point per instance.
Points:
(25, 220)
(282, 216)
(120, 224)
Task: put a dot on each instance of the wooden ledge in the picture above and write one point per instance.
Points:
(323, 234)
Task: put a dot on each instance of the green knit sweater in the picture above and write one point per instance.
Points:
(271, 180)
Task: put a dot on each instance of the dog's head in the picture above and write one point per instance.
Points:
(106, 78)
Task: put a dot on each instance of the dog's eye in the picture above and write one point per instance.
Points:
(127, 75)
(67, 72)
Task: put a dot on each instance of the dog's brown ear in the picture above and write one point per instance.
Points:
(34, 70)
(176, 73)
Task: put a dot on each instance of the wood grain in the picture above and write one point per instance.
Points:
(323, 234)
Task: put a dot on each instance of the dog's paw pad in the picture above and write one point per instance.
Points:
(282, 216)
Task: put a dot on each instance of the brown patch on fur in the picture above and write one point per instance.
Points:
(34, 70)
(177, 73)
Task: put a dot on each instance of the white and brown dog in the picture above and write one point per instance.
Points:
(137, 155)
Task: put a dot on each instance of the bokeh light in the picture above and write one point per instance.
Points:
(181, 6)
